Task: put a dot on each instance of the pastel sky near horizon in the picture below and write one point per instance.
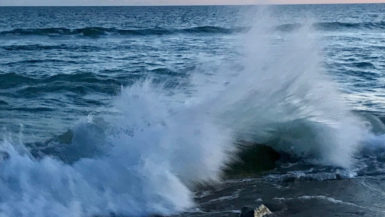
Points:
(172, 2)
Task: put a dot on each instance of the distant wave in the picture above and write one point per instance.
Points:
(332, 26)
(31, 47)
(99, 31)
(82, 82)
(78, 83)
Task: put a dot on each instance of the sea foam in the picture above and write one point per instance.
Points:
(158, 144)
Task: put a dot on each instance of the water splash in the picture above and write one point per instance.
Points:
(157, 144)
(282, 96)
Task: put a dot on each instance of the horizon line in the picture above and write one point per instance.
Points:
(189, 5)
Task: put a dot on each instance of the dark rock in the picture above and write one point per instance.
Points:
(247, 212)
(252, 159)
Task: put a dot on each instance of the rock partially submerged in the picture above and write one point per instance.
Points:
(260, 211)
(247, 212)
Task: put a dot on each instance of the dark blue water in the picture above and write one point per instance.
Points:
(56, 61)
(60, 61)
(119, 110)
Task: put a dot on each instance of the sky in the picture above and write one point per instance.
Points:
(170, 2)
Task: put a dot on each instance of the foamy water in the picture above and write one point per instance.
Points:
(146, 154)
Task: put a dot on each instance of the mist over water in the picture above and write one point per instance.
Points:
(146, 153)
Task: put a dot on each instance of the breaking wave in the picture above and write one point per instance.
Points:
(146, 155)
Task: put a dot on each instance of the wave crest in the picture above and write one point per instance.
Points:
(156, 145)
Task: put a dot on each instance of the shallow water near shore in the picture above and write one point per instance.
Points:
(360, 196)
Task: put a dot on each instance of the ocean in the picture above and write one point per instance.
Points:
(192, 110)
